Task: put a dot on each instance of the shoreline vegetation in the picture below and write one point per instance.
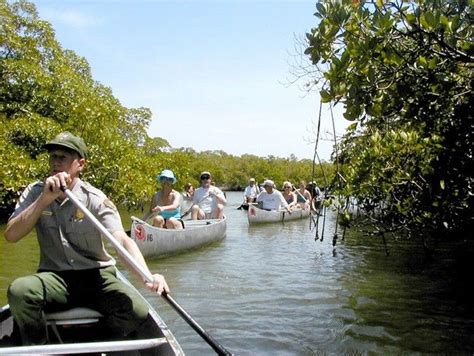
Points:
(46, 89)
(406, 159)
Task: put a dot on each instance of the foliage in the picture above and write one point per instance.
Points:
(403, 70)
(45, 89)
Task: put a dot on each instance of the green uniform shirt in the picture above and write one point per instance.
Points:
(67, 239)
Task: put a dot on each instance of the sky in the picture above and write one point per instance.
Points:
(216, 74)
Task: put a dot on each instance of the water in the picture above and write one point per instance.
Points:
(274, 290)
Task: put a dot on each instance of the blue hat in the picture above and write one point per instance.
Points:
(166, 173)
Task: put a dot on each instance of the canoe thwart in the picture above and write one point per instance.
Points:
(73, 316)
(78, 315)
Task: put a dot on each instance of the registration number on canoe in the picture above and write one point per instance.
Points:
(141, 235)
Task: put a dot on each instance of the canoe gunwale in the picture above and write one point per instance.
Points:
(80, 348)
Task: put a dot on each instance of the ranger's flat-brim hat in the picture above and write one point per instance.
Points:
(69, 141)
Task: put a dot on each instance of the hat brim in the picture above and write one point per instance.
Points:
(173, 178)
(52, 146)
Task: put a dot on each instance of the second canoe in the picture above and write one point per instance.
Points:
(257, 215)
(154, 241)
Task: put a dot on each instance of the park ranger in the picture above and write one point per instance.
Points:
(74, 267)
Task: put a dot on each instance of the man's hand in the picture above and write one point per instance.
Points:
(53, 184)
(159, 284)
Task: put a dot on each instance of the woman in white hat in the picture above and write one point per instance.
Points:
(166, 203)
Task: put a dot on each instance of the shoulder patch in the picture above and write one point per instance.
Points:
(91, 189)
(38, 184)
(108, 203)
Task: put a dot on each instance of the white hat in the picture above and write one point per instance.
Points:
(269, 183)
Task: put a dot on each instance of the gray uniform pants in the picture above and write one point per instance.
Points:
(29, 297)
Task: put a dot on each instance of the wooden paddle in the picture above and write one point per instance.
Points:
(299, 193)
(146, 275)
(188, 211)
(305, 200)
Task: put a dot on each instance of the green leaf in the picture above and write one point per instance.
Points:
(321, 9)
(422, 61)
(325, 96)
(352, 127)
(411, 18)
(445, 22)
(428, 21)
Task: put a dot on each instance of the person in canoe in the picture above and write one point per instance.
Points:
(166, 203)
(74, 268)
(188, 191)
(251, 192)
(270, 198)
(208, 200)
(187, 201)
(303, 195)
(316, 196)
(289, 195)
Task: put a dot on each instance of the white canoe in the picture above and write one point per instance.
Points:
(154, 241)
(257, 215)
(81, 331)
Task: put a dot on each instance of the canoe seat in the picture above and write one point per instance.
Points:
(73, 316)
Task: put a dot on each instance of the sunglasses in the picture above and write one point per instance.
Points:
(205, 177)
(287, 187)
(170, 180)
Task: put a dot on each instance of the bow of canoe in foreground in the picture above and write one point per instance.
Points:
(83, 331)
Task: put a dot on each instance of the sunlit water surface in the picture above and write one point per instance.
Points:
(273, 290)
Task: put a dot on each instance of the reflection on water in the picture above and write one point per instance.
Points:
(271, 289)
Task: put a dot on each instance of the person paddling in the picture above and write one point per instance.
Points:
(251, 192)
(166, 203)
(270, 198)
(303, 195)
(208, 200)
(74, 268)
(289, 196)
